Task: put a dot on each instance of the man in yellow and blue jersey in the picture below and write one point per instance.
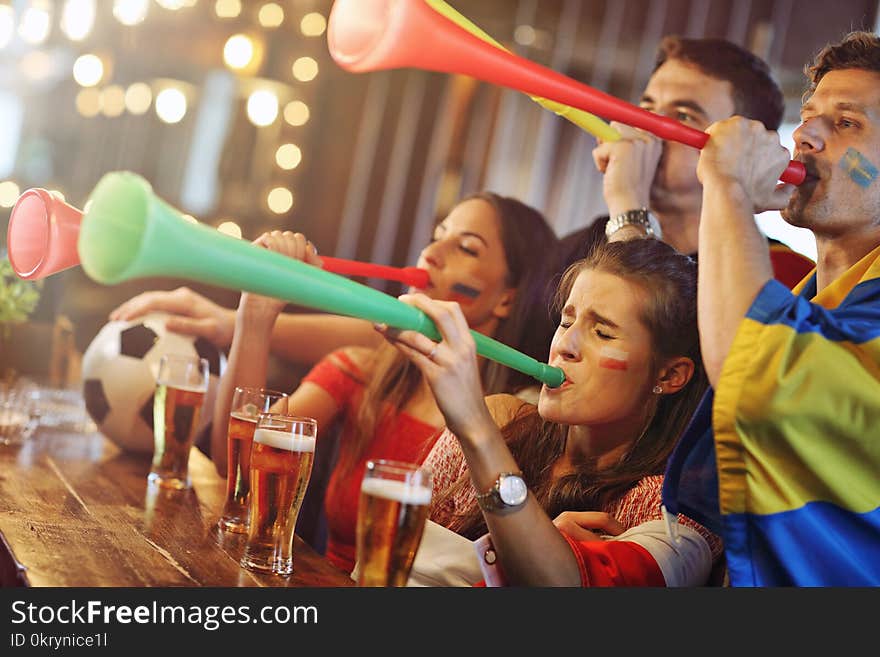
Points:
(796, 374)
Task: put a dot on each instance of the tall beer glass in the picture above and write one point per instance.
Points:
(281, 464)
(247, 405)
(180, 391)
(395, 498)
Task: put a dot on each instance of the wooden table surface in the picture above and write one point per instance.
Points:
(75, 510)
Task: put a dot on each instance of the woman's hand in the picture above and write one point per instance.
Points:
(449, 366)
(261, 309)
(191, 314)
(587, 525)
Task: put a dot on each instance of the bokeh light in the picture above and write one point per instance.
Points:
(305, 69)
(271, 15)
(9, 193)
(227, 8)
(238, 51)
(138, 98)
(262, 107)
(171, 105)
(35, 23)
(280, 200)
(88, 70)
(296, 113)
(288, 156)
(313, 24)
(78, 19)
(130, 12)
(113, 100)
(230, 228)
(88, 102)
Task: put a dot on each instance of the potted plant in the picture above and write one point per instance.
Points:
(18, 298)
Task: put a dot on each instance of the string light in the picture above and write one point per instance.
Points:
(227, 8)
(288, 156)
(88, 70)
(238, 51)
(171, 105)
(138, 98)
(78, 19)
(262, 107)
(88, 102)
(130, 12)
(305, 69)
(35, 23)
(230, 228)
(313, 24)
(9, 193)
(296, 113)
(280, 200)
(271, 15)
(113, 100)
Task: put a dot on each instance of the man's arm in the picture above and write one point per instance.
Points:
(738, 168)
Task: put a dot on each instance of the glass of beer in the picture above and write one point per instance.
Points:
(281, 464)
(180, 391)
(247, 405)
(395, 498)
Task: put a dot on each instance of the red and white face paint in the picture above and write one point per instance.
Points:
(613, 359)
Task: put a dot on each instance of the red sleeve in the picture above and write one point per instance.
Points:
(615, 563)
(336, 374)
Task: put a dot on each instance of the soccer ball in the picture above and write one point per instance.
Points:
(119, 372)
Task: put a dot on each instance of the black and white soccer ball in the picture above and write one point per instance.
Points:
(119, 372)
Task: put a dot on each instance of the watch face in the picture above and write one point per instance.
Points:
(512, 490)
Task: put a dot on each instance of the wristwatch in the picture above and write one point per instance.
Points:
(509, 492)
(641, 217)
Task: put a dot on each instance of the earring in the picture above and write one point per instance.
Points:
(657, 390)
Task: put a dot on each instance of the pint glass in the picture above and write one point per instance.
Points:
(395, 498)
(281, 464)
(180, 391)
(247, 405)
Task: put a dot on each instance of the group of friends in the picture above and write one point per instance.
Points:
(715, 425)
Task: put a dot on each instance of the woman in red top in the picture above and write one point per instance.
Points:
(495, 256)
(594, 447)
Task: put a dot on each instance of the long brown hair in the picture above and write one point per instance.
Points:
(530, 249)
(670, 279)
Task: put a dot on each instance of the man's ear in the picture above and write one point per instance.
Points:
(504, 306)
(675, 374)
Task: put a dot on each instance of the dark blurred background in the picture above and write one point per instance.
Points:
(237, 115)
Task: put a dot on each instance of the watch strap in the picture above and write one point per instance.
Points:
(641, 217)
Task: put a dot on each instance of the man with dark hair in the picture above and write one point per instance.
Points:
(651, 186)
(796, 373)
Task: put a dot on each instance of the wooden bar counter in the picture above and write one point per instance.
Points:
(75, 510)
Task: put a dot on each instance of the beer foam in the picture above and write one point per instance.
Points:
(398, 491)
(292, 442)
(244, 417)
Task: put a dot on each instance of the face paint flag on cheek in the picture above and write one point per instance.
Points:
(613, 359)
(860, 169)
(464, 294)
